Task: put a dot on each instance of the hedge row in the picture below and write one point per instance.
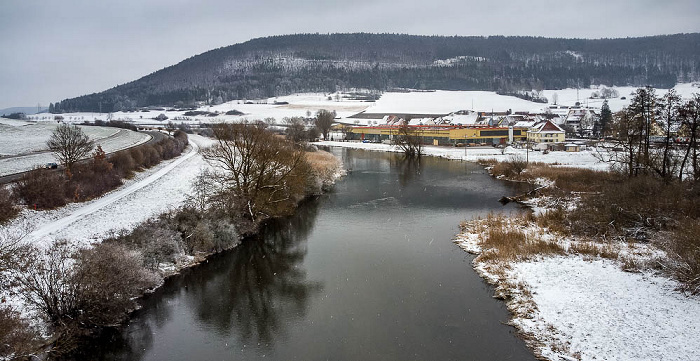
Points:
(46, 189)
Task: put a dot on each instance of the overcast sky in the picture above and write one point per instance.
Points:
(52, 50)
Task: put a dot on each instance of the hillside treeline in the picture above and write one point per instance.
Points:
(282, 65)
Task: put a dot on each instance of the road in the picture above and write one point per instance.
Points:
(155, 138)
(100, 203)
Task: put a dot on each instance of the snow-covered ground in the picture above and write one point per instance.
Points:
(23, 144)
(19, 137)
(604, 313)
(299, 105)
(148, 194)
(583, 159)
(437, 102)
(580, 307)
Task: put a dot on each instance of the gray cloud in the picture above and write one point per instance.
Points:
(51, 50)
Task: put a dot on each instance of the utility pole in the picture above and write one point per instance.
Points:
(527, 151)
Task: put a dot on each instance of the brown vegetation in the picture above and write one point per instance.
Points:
(612, 210)
(8, 205)
(508, 239)
(683, 249)
(78, 291)
(41, 189)
(259, 175)
(70, 144)
(47, 189)
(323, 166)
(409, 140)
(17, 338)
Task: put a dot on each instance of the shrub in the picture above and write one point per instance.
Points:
(634, 207)
(206, 132)
(93, 179)
(111, 276)
(8, 206)
(201, 231)
(17, 338)
(123, 164)
(323, 169)
(46, 277)
(137, 156)
(510, 168)
(76, 290)
(683, 249)
(151, 156)
(226, 235)
(42, 188)
(156, 242)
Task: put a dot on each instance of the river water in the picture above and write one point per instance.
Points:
(365, 272)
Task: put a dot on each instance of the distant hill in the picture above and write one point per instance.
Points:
(281, 65)
(25, 110)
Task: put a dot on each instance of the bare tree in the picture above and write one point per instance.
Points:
(260, 174)
(628, 133)
(324, 121)
(409, 140)
(69, 143)
(296, 130)
(690, 120)
(643, 106)
(668, 107)
(345, 129)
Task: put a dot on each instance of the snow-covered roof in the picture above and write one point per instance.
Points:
(524, 124)
(546, 127)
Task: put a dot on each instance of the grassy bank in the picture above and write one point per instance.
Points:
(640, 224)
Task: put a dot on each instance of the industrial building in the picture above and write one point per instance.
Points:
(450, 135)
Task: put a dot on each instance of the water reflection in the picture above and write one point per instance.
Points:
(263, 283)
(406, 168)
(249, 294)
(391, 284)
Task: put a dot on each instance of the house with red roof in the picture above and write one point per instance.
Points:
(545, 132)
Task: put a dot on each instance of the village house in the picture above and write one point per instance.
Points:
(581, 120)
(545, 132)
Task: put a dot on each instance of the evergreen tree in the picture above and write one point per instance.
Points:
(605, 117)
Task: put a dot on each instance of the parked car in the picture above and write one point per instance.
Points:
(51, 166)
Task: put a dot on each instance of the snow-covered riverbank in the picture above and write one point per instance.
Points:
(574, 307)
(570, 306)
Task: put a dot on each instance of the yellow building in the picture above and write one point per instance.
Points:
(443, 134)
(545, 132)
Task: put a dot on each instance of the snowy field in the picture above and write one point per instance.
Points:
(19, 138)
(23, 144)
(299, 105)
(437, 102)
(583, 159)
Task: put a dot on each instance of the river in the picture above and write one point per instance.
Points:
(365, 272)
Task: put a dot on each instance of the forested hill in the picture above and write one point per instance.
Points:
(287, 64)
